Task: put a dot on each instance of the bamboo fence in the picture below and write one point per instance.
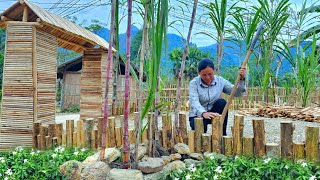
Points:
(87, 133)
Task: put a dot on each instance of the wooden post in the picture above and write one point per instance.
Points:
(54, 141)
(272, 150)
(259, 138)
(74, 139)
(198, 127)
(286, 139)
(183, 127)
(79, 133)
(99, 138)
(167, 128)
(298, 151)
(43, 134)
(237, 134)
(118, 136)
(160, 132)
(312, 143)
(248, 146)
(35, 133)
(111, 131)
(216, 134)
(89, 128)
(69, 131)
(227, 144)
(206, 142)
(191, 141)
(94, 142)
(145, 135)
(58, 133)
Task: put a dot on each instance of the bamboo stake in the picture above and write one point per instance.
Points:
(36, 130)
(312, 143)
(89, 128)
(183, 128)
(191, 135)
(118, 136)
(216, 134)
(111, 131)
(286, 139)
(58, 133)
(227, 144)
(238, 134)
(206, 142)
(259, 138)
(198, 127)
(248, 146)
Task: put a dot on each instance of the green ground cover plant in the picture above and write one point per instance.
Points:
(221, 167)
(23, 163)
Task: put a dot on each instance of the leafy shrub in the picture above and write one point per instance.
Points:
(248, 168)
(29, 164)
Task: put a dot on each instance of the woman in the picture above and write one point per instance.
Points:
(205, 94)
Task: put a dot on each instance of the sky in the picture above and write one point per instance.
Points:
(87, 10)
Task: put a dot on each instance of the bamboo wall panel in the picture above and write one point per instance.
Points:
(71, 88)
(46, 54)
(90, 85)
(17, 101)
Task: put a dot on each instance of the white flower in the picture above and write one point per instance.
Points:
(56, 149)
(38, 151)
(76, 153)
(25, 160)
(304, 164)
(236, 157)
(191, 166)
(194, 169)
(286, 167)
(54, 155)
(218, 170)
(0, 174)
(257, 169)
(6, 178)
(176, 178)
(14, 152)
(188, 176)
(212, 157)
(2, 160)
(83, 149)
(32, 153)
(267, 160)
(62, 149)
(9, 172)
(313, 178)
(215, 177)
(19, 148)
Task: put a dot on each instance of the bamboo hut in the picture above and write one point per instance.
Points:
(69, 77)
(30, 70)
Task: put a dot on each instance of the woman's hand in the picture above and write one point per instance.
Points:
(242, 72)
(209, 115)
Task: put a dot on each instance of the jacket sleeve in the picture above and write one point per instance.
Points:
(194, 99)
(228, 88)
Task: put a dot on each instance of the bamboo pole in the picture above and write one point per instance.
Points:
(198, 127)
(206, 142)
(298, 151)
(79, 133)
(259, 138)
(118, 136)
(74, 139)
(183, 128)
(89, 128)
(217, 134)
(69, 131)
(100, 126)
(35, 132)
(312, 144)
(58, 133)
(238, 134)
(191, 135)
(227, 144)
(286, 139)
(248, 146)
(64, 139)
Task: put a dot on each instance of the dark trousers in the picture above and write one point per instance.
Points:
(218, 107)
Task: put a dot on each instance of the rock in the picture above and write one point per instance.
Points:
(151, 165)
(188, 162)
(181, 148)
(92, 159)
(111, 154)
(71, 169)
(166, 159)
(175, 156)
(196, 156)
(173, 166)
(125, 174)
(96, 171)
(142, 150)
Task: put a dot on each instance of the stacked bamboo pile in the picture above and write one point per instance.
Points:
(311, 114)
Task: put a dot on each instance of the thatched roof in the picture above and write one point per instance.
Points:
(70, 35)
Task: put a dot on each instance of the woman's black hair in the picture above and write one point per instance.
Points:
(204, 63)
